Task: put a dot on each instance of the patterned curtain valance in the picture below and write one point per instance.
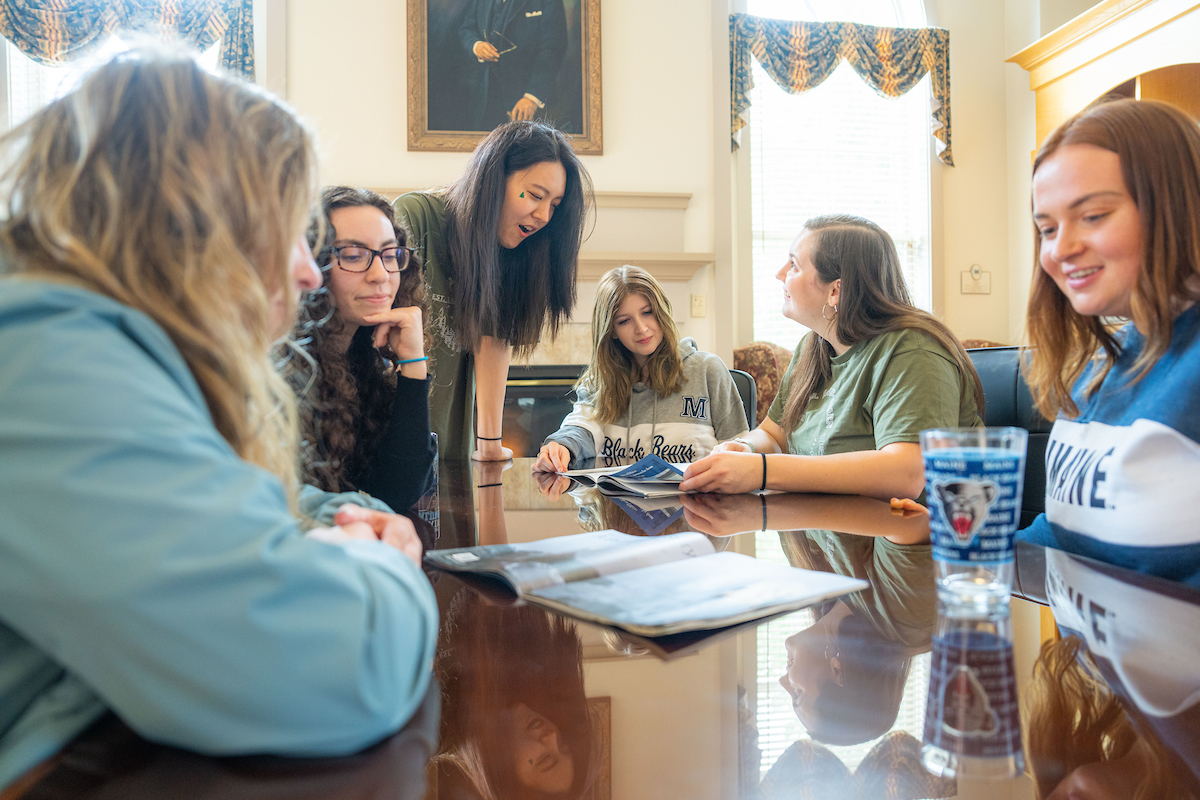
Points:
(800, 55)
(53, 31)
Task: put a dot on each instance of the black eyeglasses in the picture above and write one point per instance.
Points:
(356, 258)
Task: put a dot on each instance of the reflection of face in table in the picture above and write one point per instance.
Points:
(515, 717)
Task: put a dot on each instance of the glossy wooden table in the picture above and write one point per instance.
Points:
(527, 699)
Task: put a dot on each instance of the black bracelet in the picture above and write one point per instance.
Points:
(763, 488)
(487, 485)
(763, 497)
(489, 438)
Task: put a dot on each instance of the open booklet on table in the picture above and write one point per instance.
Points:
(651, 476)
(647, 586)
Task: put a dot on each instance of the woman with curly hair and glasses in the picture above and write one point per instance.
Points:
(500, 247)
(159, 558)
(366, 423)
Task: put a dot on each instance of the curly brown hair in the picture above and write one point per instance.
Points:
(347, 396)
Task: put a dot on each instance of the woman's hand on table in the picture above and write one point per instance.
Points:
(553, 457)
(491, 451)
(551, 484)
(723, 514)
(727, 472)
(392, 529)
(732, 447)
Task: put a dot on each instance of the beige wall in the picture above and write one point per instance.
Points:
(657, 107)
(664, 105)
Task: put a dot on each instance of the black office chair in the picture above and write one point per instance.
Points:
(1008, 402)
(749, 394)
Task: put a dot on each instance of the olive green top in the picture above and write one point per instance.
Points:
(883, 390)
(451, 368)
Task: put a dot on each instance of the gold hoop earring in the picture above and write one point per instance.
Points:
(829, 319)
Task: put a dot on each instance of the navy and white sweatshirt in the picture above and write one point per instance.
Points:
(683, 427)
(1123, 478)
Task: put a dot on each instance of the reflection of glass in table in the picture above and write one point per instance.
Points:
(714, 716)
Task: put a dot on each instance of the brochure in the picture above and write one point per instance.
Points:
(649, 477)
(648, 586)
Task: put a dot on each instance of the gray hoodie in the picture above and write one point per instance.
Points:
(682, 427)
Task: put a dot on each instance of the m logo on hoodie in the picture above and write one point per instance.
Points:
(695, 407)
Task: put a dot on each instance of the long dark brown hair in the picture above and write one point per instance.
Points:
(1159, 149)
(613, 371)
(348, 395)
(873, 300)
(517, 294)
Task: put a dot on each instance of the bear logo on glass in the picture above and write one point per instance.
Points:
(965, 505)
(966, 710)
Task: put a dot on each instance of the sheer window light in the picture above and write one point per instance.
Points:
(838, 148)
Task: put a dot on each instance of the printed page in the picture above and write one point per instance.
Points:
(650, 468)
(548, 562)
(694, 594)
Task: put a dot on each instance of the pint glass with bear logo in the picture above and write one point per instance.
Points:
(973, 483)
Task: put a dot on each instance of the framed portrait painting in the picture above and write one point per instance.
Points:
(475, 64)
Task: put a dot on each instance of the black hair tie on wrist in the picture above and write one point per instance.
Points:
(763, 488)
(489, 438)
(487, 485)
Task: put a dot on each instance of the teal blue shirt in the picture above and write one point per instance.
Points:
(147, 569)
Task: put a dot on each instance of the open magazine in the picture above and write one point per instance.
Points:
(651, 476)
(647, 586)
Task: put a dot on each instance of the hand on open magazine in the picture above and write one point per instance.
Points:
(553, 457)
(723, 514)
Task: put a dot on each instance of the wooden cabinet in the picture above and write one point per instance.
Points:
(1148, 49)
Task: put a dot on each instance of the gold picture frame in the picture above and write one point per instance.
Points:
(442, 103)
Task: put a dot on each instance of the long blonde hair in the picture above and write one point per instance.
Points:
(612, 372)
(1159, 149)
(178, 193)
(873, 300)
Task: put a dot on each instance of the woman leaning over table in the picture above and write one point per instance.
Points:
(500, 247)
(153, 556)
(1116, 205)
(873, 372)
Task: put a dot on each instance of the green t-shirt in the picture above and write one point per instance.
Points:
(902, 601)
(884, 390)
(451, 368)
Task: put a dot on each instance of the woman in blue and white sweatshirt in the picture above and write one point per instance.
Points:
(1116, 203)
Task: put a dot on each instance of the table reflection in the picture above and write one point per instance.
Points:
(829, 701)
(515, 718)
(1113, 707)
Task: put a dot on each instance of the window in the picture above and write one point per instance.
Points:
(31, 85)
(838, 148)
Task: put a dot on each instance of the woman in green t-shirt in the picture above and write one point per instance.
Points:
(500, 247)
(873, 372)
